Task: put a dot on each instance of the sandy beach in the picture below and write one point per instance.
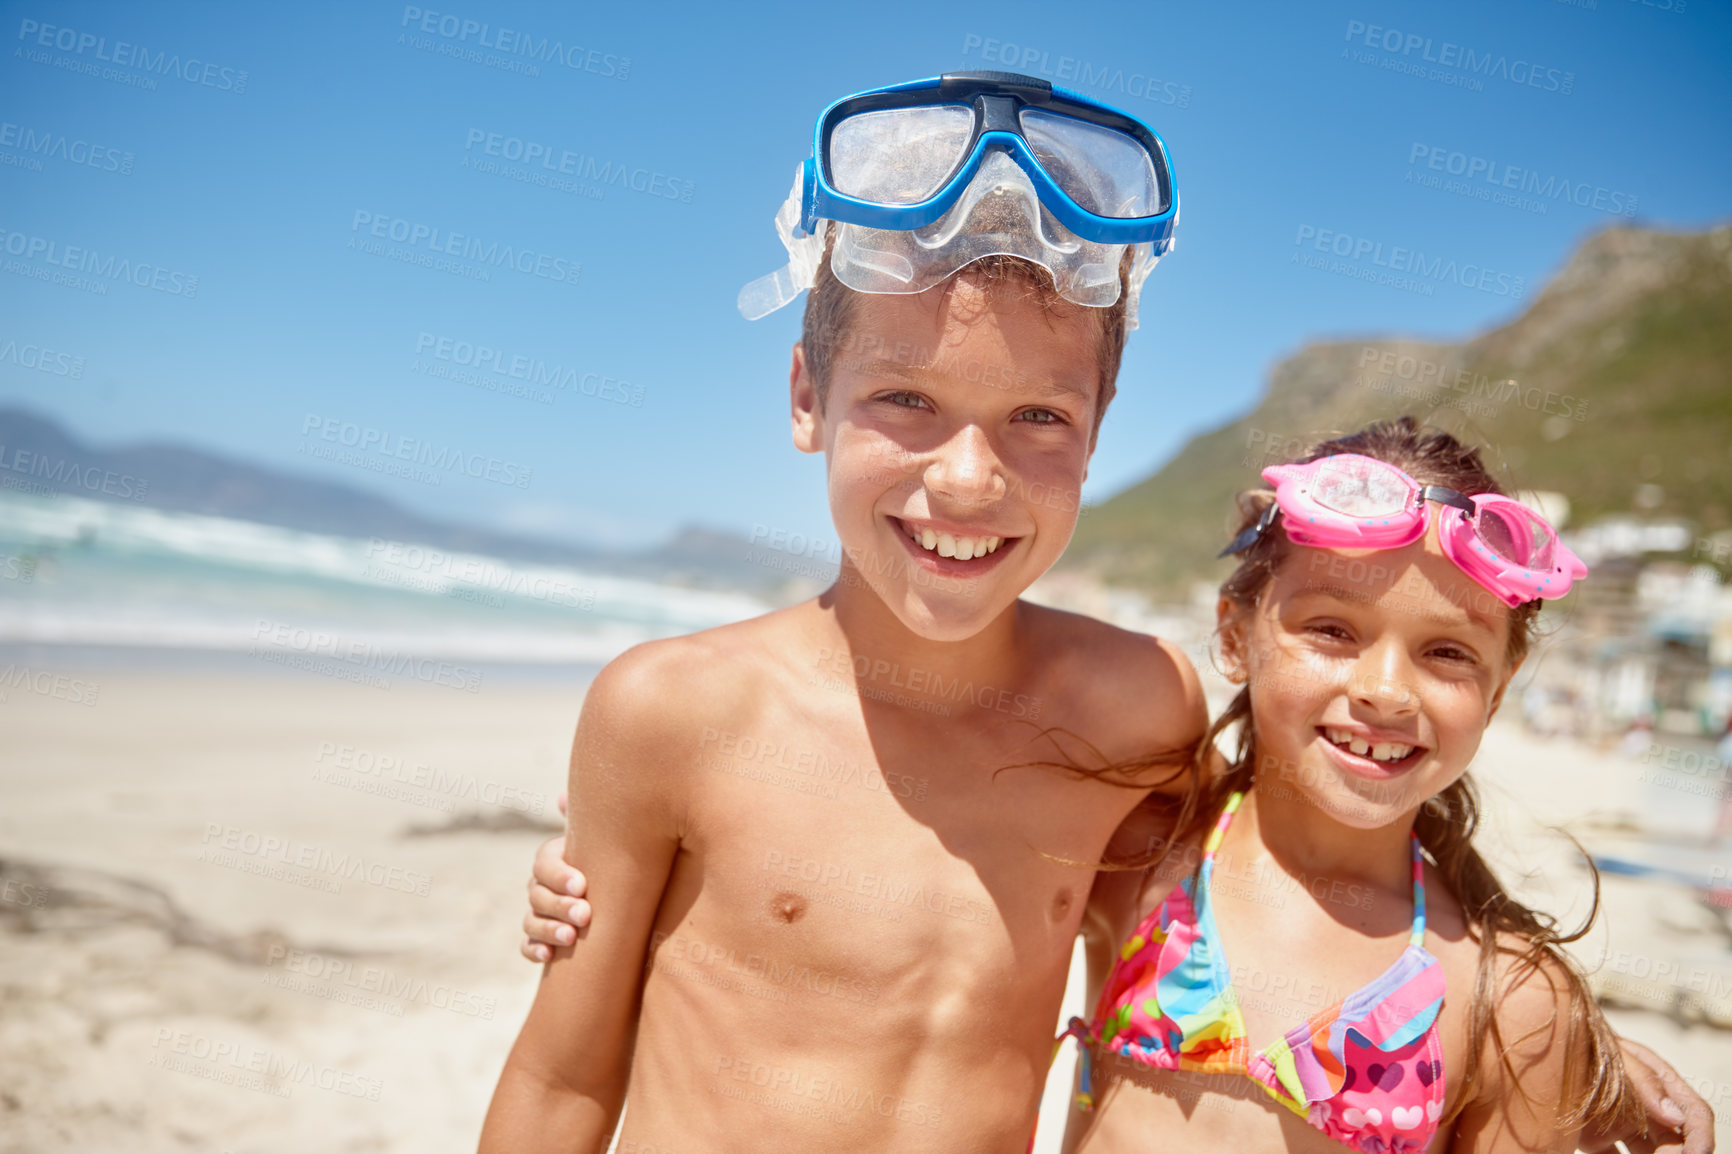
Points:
(260, 912)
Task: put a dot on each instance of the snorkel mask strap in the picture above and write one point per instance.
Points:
(768, 293)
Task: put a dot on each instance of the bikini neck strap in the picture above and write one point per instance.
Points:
(1417, 937)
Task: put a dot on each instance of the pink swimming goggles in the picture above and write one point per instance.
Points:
(1352, 502)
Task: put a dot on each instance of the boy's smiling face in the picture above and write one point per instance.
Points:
(957, 427)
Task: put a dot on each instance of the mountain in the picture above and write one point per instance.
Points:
(37, 455)
(1614, 388)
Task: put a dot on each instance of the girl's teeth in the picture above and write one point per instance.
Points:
(1382, 751)
(965, 549)
(946, 545)
(928, 539)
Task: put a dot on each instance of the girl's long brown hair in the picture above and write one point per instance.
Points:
(1594, 1076)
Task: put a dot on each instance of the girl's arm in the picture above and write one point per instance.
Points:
(1523, 1091)
(1679, 1120)
(1098, 927)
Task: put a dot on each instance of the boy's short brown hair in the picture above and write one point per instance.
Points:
(830, 312)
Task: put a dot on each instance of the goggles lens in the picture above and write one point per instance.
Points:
(1360, 488)
(1105, 171)
(899, 155)
(1516, 535)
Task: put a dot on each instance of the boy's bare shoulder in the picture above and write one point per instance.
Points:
(666, 692)
(1141, 689)
(1128, 669)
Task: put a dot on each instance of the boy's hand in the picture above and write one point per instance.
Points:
(1679, 1120)
(556, 909)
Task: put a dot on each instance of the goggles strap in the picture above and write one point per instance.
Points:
(1252, 533)
(1444, 496)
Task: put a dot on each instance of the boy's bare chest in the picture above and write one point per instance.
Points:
(910, 865)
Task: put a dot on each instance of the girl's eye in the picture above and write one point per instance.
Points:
(1455, 653)
(1040, 417)
(1333, 632)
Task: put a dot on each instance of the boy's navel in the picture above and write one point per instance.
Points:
(787, 907)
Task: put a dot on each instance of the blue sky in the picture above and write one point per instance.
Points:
(1289, 125)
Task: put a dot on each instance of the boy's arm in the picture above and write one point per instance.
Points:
(564, 1082)
(1679, 1120)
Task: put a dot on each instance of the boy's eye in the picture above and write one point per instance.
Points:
(1040, 417)
(904, 399)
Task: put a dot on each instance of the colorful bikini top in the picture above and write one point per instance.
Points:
(1367, 1072)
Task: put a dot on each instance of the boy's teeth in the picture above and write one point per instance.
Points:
(948, 545)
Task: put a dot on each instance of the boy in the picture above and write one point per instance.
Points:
(900, 948)
(841, 888)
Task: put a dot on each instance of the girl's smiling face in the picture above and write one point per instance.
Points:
(1372, 676)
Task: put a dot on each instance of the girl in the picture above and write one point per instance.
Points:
(1308, 951)
(1342, 967)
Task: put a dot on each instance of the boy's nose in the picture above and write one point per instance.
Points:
(966, 470)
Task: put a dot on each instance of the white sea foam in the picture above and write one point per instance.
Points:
(125, 575)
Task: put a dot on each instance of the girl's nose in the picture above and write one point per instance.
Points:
(1382, 680)
(966, 470)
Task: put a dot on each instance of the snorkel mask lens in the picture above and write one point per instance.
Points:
(1105, 171)
(899, 156)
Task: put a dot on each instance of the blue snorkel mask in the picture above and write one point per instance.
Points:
(923, 178)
